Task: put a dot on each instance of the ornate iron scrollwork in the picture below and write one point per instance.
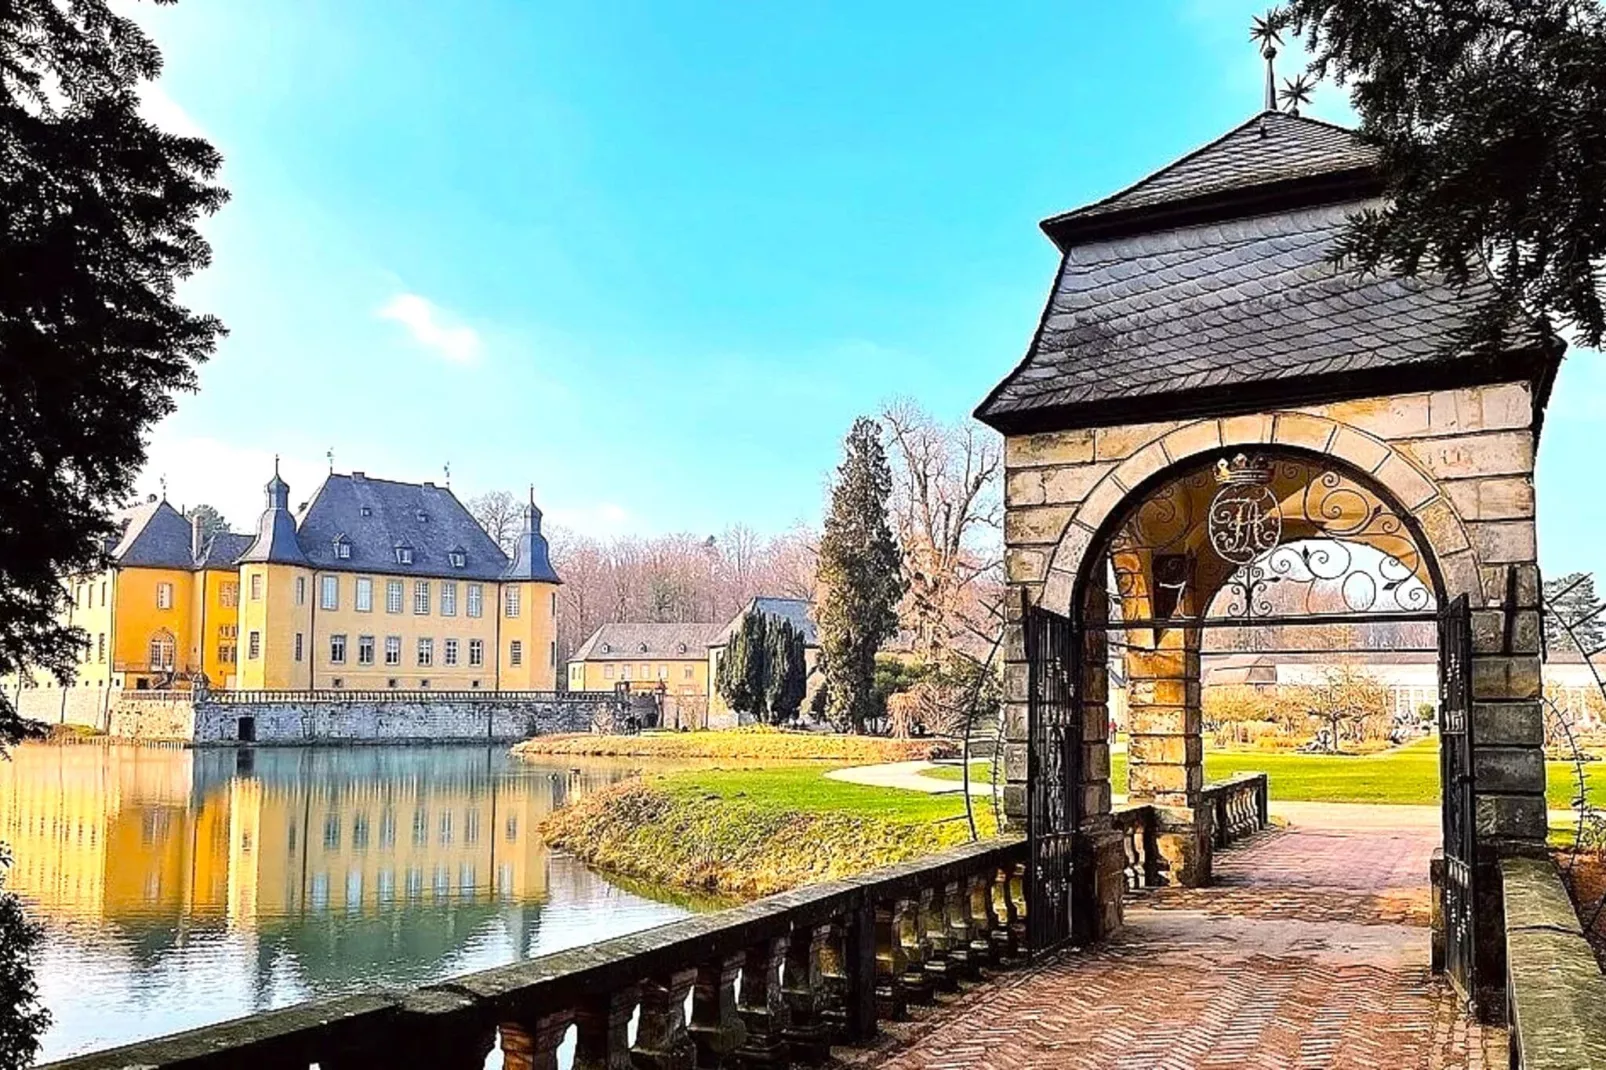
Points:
(1287, 534)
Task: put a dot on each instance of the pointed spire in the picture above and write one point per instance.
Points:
(1266, 31)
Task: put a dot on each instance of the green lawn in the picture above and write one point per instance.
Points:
(807, 788)
(1407, 775)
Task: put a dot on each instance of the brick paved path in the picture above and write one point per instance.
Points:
(1311, 951)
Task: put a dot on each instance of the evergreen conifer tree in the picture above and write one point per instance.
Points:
(788, 673)
(859, 576)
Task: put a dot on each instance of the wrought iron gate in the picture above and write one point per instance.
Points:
(1455, 778)
(1054, 755)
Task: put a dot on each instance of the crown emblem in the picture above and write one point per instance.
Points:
(1243, 471)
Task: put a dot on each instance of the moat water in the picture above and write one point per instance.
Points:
(178, 888)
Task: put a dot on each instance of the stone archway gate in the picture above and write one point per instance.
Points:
(1195, 315)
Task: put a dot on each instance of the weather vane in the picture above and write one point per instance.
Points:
(1267, 31)
(447, 467)
(162, 480)
(330, 454)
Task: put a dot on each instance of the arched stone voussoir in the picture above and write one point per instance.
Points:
(1393, 471)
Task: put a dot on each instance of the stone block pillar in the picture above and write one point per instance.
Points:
(1165, 747)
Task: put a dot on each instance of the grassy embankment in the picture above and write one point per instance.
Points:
(1409, 774)
(754, 743)
(756, 828)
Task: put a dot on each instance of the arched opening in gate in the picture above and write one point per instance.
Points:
(1288, 556)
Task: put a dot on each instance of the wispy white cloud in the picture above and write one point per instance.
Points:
(166, 113)
(425, 322)
(597, 518)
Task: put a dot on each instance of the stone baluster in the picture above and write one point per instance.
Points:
(834, 982)
(602, 1031)
(979, 902)
(890, 961)
(956, 908)
(1018, 908)
(662, 1042)
(532, 1044)
(716, 1029)
(942, 970)
(916, 982)
(1004, 910)
(807, 1038)
(762, 1009)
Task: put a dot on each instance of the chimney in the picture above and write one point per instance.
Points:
(196, 545)
(357, 477)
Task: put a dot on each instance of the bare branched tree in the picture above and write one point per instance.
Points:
(948, 513)
(499, 513)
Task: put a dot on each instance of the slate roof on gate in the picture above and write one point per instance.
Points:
(223, 550)
(1269, 148)
(626, 642)
(425, 518)
(1211, 276)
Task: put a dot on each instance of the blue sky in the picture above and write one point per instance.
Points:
(654, 257)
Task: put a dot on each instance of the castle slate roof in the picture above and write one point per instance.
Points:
(157, 536)
(669, 642)
(794, 610)
(1210, 280)
(224, 549)
(379, 516)
(532, 559)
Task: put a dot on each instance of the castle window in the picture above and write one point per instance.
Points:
(404, 555)
(687, 673)
(161, 651)
(449, 652)
(365, 650)
(552, 653)
(100, 648)
(426, 653)
(228, 594)
(476, 599)
(393, 652)
(511, 600)
(164, 595)
(624, 671)
(515, 653)
(458, 558)
(424, 683)
(365, 594)
(331, 593)
(103, 594)
(337, 650)
(393, 596)
(476, 652)
(607, 671)
(448, 598)
(421, 598)
(365, 510)
(298, 646)
(301, 590)
(339, 682)
(253, 645)
(226, 653)
(343, 548)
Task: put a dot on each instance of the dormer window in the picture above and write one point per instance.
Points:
(606, 647)
(404, 555)
(365, 511)
(423, 517)
(458, 558)
(642, 648)
(342, 548)
(681, 648)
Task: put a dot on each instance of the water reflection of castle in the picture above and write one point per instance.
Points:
(393, 853)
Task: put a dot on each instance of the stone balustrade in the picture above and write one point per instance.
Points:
(1139, 827)
(1238, 807)
(771, 983)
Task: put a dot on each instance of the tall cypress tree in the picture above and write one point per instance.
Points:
(788, 673)
(858, 575)
(741, 676)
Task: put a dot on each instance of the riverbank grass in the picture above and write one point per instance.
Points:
(754, 832)
(756, 743)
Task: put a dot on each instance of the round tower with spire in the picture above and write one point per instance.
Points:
(529, 609)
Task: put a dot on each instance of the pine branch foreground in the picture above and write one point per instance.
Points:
(1490, 121)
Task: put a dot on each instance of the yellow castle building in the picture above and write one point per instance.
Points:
(371, 584)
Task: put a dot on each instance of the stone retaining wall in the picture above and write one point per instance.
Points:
(1555, 992)
(412, 718)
